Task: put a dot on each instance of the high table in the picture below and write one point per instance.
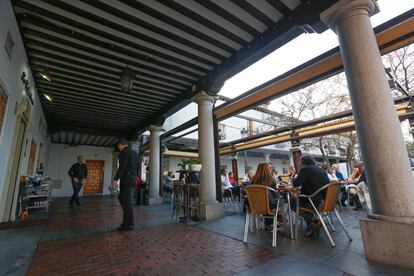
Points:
(291, 193)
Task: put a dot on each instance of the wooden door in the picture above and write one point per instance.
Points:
(94, 181)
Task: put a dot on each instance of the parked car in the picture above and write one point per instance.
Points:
(412, 163)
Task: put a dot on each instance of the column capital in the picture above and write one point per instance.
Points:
(155, 128)
(203, 97)
(343, 9)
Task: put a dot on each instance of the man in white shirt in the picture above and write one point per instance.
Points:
(225, 182)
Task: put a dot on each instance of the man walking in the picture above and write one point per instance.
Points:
(127, 174)
(77, 173)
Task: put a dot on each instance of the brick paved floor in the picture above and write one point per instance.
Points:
(83, 241)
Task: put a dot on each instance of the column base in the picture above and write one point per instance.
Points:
(155, 200)
(211, 210)
(388, 242)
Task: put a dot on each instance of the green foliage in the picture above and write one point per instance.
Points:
(183, 163)
(195, 161)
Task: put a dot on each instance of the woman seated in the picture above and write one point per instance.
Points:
(231, 179)
(247, 179)
(292, 172)
(353, 179)
(264, 177)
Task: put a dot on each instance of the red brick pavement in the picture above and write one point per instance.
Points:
(165, 250)
(171, 249)
(93, 213)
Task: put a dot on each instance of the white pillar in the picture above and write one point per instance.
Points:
(154, 165)
(267, 157)
(391, 184)
(378, 127)
(210, 207)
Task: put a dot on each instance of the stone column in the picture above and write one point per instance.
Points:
(154, 165)
(210, 207)
(391, 184)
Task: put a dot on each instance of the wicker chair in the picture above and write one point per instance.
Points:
(328, 208)
(258, 199)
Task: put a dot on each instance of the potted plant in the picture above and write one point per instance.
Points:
(195, 165)
(185, 164)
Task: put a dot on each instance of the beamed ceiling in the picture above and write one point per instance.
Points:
(174, 48)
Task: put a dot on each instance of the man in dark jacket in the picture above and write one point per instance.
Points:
(77, 173)
(310, 179)
(127, 174)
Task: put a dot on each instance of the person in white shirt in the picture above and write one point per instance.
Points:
(225, 182)
(332, 177)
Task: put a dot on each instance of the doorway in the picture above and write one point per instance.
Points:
(95, 178)
(12, 190)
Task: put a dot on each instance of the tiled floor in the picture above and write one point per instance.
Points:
(83, 241)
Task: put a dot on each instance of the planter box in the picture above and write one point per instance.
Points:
(195, 167)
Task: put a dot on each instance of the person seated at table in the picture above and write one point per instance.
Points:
(335, 171)
(362, 189)
(292, 172)
(310, 179)
(231, 179)
(275, 176)
(167, 184)
(247, 179)
(331, 176)
(264, 177)
(353, 179)
(225, 183)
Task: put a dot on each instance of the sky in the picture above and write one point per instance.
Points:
(292, 54)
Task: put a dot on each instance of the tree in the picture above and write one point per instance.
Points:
(401, 63)
(318, 100)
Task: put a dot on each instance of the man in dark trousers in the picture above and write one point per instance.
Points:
(77, 173)
(310, 179)
(127, 174)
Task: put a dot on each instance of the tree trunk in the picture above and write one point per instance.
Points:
(324, 156)
(350, 153)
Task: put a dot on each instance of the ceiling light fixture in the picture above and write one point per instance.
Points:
(127, 79)
(46, 75)
(48, 96)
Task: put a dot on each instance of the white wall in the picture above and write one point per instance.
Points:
(61, 157)
(253, 162)
(10, 72)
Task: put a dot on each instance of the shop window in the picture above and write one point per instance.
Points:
(3, 105)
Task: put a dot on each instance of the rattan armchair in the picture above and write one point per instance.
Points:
(258, 199)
